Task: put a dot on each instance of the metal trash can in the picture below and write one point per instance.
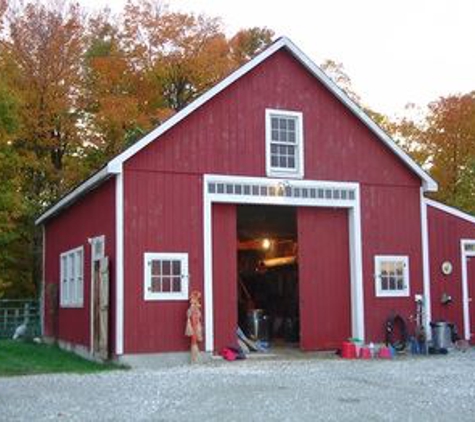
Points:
(258, 325)
(441, 334)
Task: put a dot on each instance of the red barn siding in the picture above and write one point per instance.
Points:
(224, 275)
(324, 278)
(445, 233)
(163, 213)
(91, 216)
(163, 189)
(390, 226)
(227, 134)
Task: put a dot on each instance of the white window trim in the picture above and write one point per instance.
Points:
(391, 293)
(68, 302)
(290, 173)
(183, 295)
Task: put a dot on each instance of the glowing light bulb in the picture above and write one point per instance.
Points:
(266, 244)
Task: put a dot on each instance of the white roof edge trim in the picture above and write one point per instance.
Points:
(204, 98)
(429, 184)
(450, 210)
(75, 193)
(115, 165)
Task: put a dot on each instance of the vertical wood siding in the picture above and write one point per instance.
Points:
(225, 300)
(163, 190)
(163, 213)
(445, 233)
(91, 216)
(390, 226)
(324, 278)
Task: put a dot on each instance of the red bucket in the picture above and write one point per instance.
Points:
(365, 353)
(385, 353)
(348, 350)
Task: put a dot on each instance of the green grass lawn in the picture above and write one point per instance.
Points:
(25, 358)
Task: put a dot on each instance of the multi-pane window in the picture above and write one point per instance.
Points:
(166, 276)
(284, 143)
(391, 275)
(72, 278)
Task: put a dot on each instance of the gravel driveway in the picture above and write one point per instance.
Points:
(420, 389)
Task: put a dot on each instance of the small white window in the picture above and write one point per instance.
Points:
(166, 276)
(72, 278)
(391, 275)
(284, 143)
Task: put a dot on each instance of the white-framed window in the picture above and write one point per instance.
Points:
(71, 290)
(166, 276)
(391, 275)
(284, 143)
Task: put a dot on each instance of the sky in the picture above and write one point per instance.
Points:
(395, 52)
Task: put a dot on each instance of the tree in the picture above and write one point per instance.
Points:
(449, 140)
(249, 42)
(76, 90)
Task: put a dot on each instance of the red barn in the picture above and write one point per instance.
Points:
(272, 191)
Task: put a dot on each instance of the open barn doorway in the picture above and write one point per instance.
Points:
(268, 282)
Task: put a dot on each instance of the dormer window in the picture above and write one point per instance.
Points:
(284, 143)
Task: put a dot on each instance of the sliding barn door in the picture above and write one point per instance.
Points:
(324, 278)
(224, 275)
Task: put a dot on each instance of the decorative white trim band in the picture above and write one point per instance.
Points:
(255, 190)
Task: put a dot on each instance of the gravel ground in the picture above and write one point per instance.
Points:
(286, 389)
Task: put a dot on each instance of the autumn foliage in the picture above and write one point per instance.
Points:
(78, 87)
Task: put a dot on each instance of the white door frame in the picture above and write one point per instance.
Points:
(309, 193)
(94, 257)
(467, 250)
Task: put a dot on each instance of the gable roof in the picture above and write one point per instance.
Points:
(114, 166)
(450, 210)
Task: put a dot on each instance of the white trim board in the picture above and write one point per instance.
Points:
(115, 165)
(233, 191)
(450, 210)
(464, 255)
(119, 265)
(427, 304)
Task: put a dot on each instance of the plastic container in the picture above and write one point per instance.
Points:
(365, 353)
(385, 353)
(348, 350)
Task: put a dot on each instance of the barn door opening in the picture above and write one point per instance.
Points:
(267, 274)
(100, 299)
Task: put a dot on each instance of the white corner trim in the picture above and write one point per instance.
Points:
(450, 210)
(426, 267)
(119, 264)
(356, 268)
(465, 292)
(352, 204)
(290, 173)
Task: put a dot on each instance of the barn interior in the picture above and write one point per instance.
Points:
(268, 293)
